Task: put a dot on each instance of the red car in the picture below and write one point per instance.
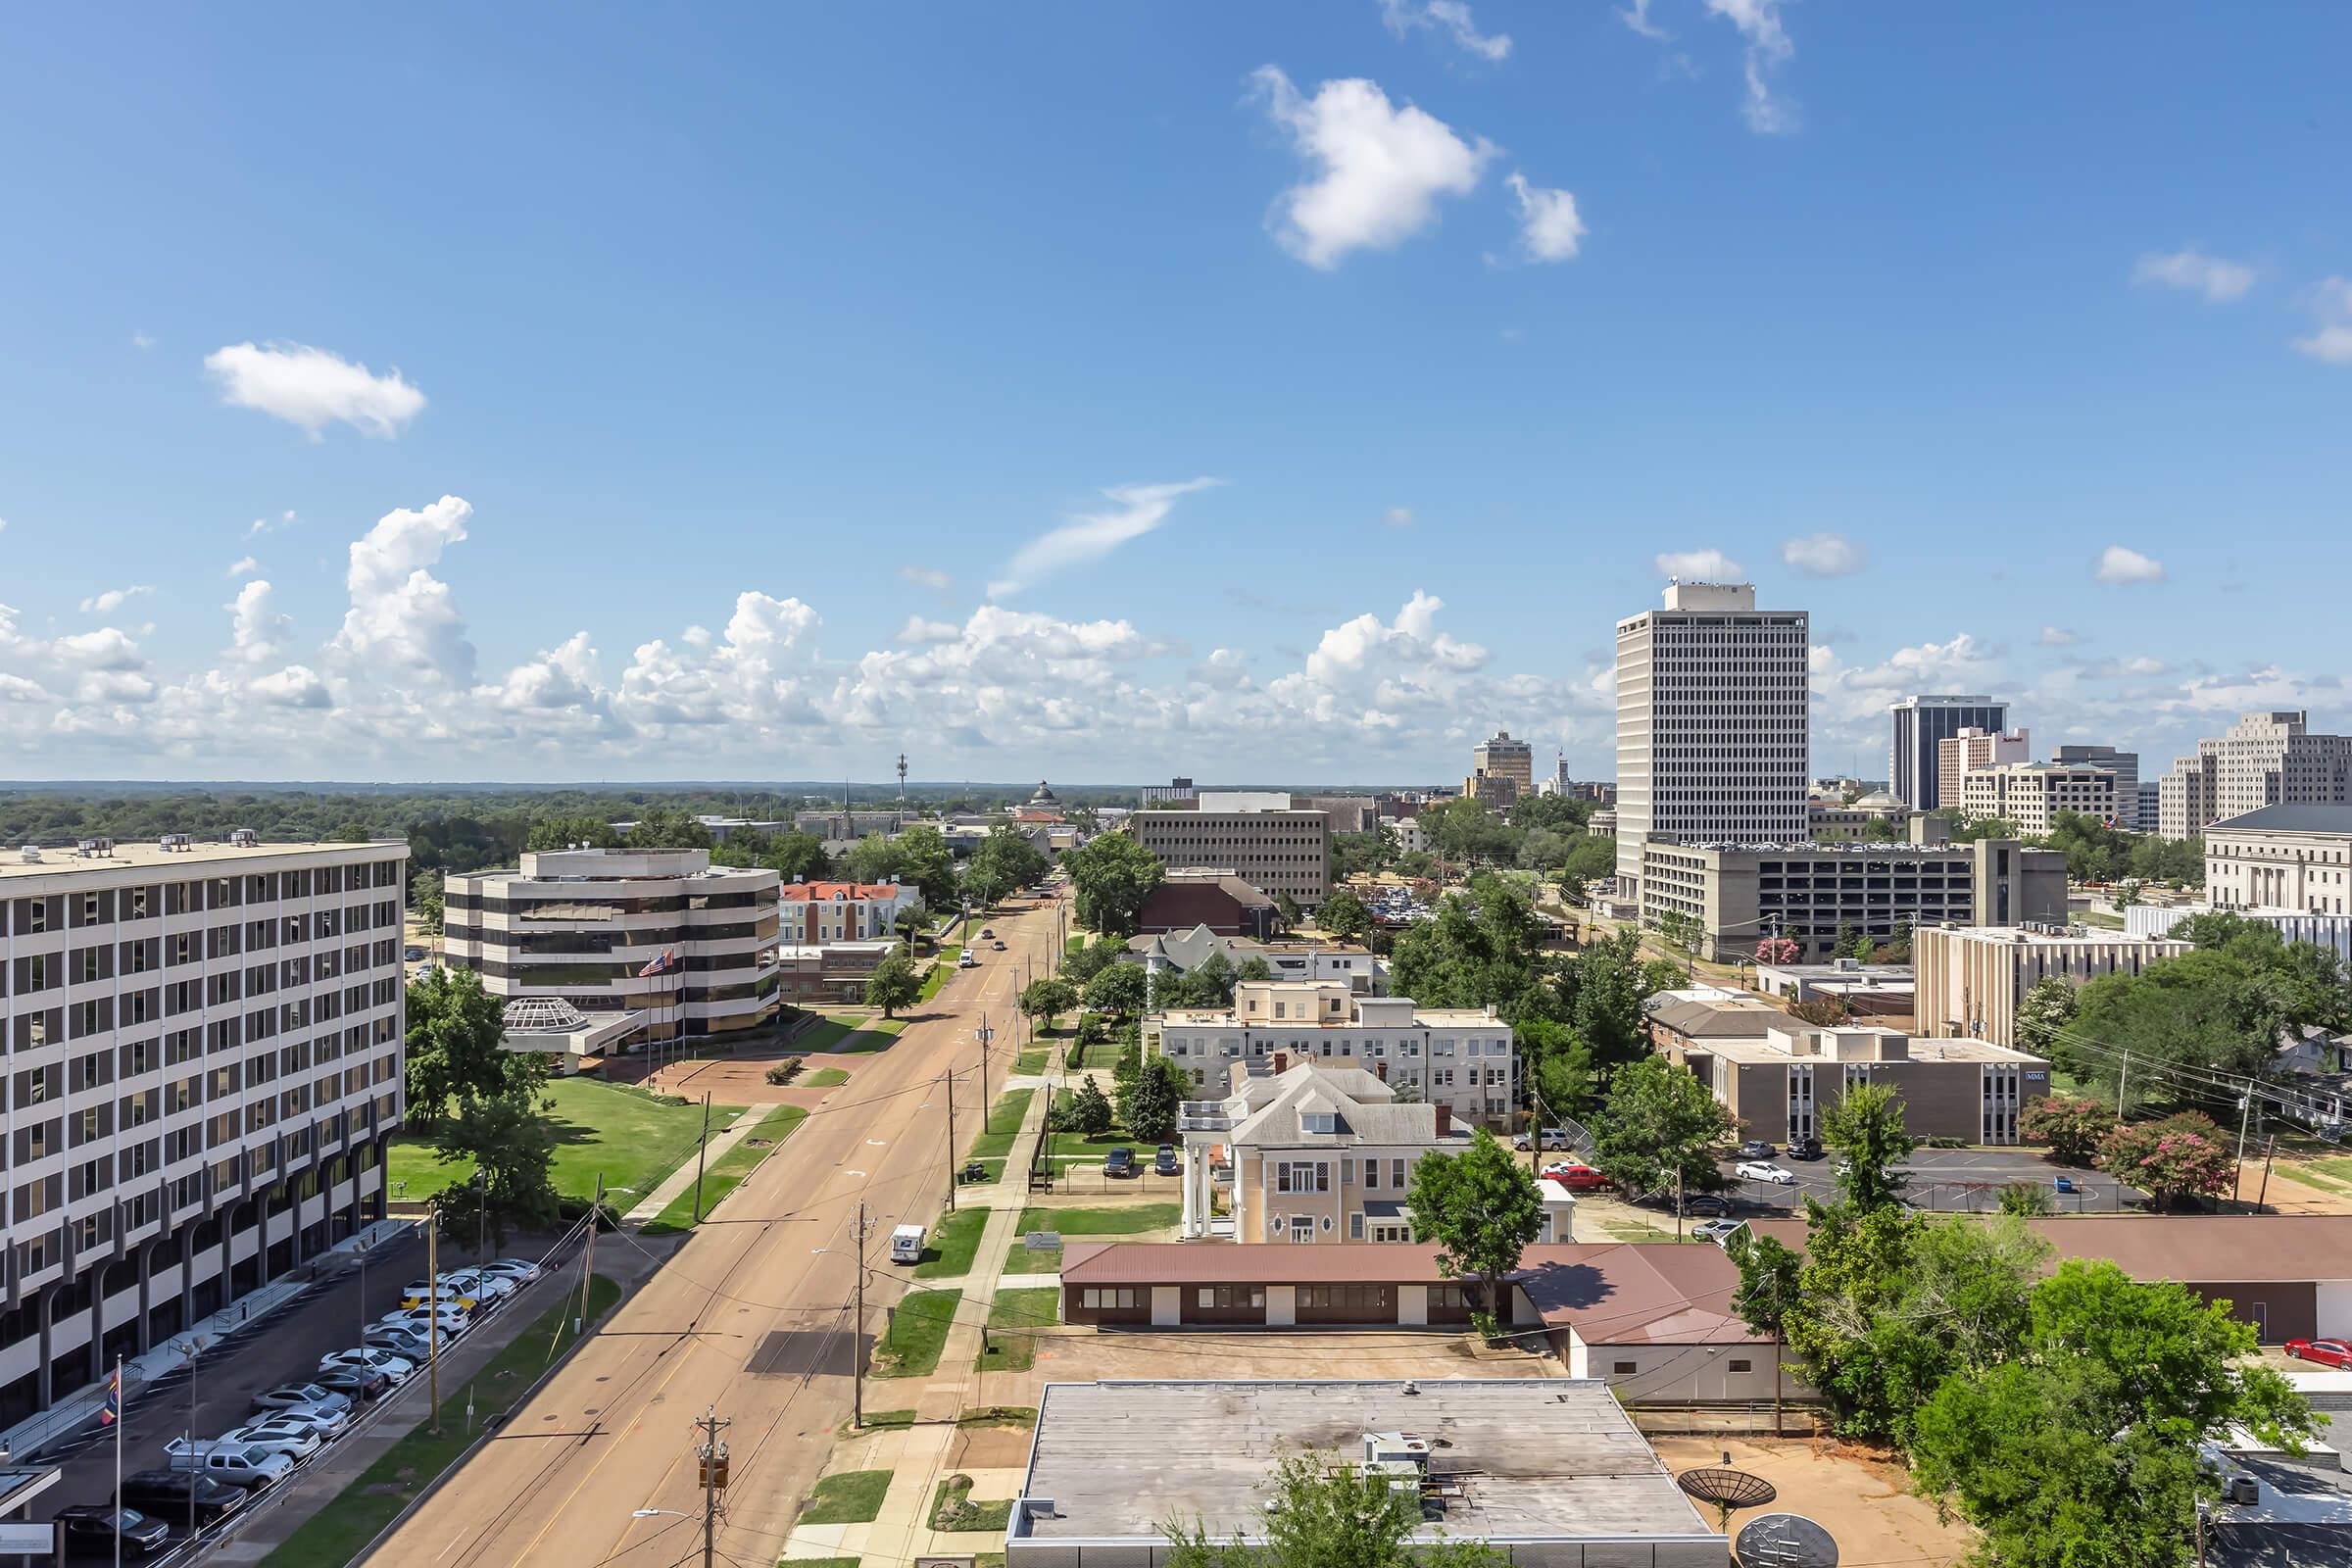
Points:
(1569, 1174)
(2322, 1352)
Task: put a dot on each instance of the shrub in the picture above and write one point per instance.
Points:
(2072, 1127)
(2181, 1157)
(2024, 1200)
(785, 1071)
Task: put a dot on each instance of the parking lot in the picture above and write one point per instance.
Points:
(1945, 1181)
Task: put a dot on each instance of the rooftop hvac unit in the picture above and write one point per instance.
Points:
(244, 838)
(175, 844)
(94, 849)
(2244, 1488)
(30, 856)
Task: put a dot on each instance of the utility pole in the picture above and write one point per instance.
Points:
(949, 1077)
(714, 1455)
(596, 1216)
(2122, 1077)
(1678, 1203)
(700, 1154)
(858, 1332)
(432, 1313)
(2266, 1156)
(2246, 1113)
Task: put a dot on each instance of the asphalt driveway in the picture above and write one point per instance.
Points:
(1945, 1181)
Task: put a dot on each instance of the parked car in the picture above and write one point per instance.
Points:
(2322, 1352)
(166, 1495)
(1119, 1162)
(1757, 1149)
(521, 1270)
(303, 1395)
(410, 1347)
(1763, 1170)
(1166, 1163)
(296, 1439)
(419, 1293)
(357, 1383)
(1805, 1148)
(1575, 1174)
(399, 1368)
(1718, 1231)
(453, 1320)
(967, 962)
(1552, 1137)
(241, 1464)
(93, 1526)
(1706, 1204)
(318, 1423)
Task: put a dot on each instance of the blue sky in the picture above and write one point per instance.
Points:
(1112, 391)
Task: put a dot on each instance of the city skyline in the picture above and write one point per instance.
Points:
(745, 448)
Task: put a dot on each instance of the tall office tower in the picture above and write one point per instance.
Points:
(2125, 766)
(2263, 760)
(1503, 757)
(1712, 727)
(1921, 724)
(205, 1067)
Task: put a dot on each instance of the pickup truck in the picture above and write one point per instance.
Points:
(241, 1464)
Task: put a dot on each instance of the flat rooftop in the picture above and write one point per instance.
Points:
(1536, 1459)
(147, 854)
(1920, 1049)
(2053, 936)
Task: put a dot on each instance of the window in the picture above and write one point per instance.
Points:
(1108, 1297)
(1230, 1296)
(1621, 1368)
(1355, 1227)
(1742, 1366)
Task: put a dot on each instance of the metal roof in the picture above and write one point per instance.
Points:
(2296, 818)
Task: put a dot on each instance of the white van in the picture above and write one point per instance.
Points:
(906, 1244)
(240, 1464)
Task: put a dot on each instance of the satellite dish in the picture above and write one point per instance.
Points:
(1727, 1489)
(1785, 1541)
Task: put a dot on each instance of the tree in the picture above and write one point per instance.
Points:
(2080, 1451)
(2047, 1007)
(1046, 1000)
(1344, 916)
(1005, 862)
(1660, 1121)
(1680, 932)
(1325, 1512)
(1287, 909)
(1608, 982)
(1866, 1127)
(1777, 950)
(562, 832)
(2219, 1010)
(893, 984)
(1083, 963)
(1588, 858)
(424, 899)
(2072, 1127)
(1481, 949)
(1149, 1098)
(1111, 877)
(1827, 1012)
(918, 857)
(1558, 1064)
(507, 1138)
(1464, 829)
(2027, 1200)
(1480, 1209)
(1120, 987)
(1767, 1296)
(1252, 968)
(2172, 1161)
(1090, 1110)
(669, 830)
(455, 1047)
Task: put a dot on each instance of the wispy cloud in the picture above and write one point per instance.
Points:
(114, 598)
(243, 566)
(2195, 273)
(1637, 17)
(1399, 518)
(2057, 637)
(2331, 342)
(1768, 49)
(1825, 554)
(140, 340)
(1701, 565)
(312, 388)
(1451, 17)
(1378, 169)
(927, 577)
(262, 525)
(1549, 229)
(1135, 511)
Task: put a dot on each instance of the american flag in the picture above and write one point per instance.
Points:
(112, 1411)
(669, 957)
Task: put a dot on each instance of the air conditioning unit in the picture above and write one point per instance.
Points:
(175, 844)
(243, 838)
(30, 856)
(95, 849)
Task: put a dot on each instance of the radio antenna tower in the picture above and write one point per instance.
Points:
(902, 778)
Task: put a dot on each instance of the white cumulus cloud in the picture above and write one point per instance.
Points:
(1378, 169)
(401, 613)
(1824, 554)
(2195, 273)
(257, 632)
(1135, 511)
(1452, 16)
(1549, 229)
(313, 388)
(1701, 565)
(2118, 564)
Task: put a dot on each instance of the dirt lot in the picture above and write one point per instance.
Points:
(1861, 1500)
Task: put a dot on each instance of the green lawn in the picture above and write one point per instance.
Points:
(1032, 1063)
(338, 1533)
(824, 1078)
(919, 1332)
(1024, 1310)
(727, 1172)
(852, 1497)
(1085, 1222)
(869, 1024)
(940, 968)
(953, 1242)
(952, 1508)
(822, 1035)
(1004, 1124)
(633, 1139)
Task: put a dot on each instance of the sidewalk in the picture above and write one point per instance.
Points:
(318, 1488)
(677, 1181)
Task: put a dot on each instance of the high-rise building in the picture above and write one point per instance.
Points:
(204, 1067)
(1504, 759)
(1712, 729)
(1921, 724)
(2125, 766)
(2263, 760)
(1972, 748)
(2030, 796)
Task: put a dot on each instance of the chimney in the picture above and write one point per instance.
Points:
(1380, 1070)
(1445, 1119)
(1282, 1062)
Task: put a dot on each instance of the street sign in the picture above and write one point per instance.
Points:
(1042, 1240)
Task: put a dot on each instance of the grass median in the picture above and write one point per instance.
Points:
(344, 1527)
(1022, 1312)
(727, 1172)
(917, 1333)
(953, 1242)
(633, 1139)
(851, 1498)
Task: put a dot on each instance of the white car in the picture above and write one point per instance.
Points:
(521, 1270)
(1719, 1231)
(397, 1368)
(296, 1439)
(483, 1287)
(415, 1320)
(1764, 1170)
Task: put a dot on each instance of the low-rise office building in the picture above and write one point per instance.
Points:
(1548, 1471)
(1194, 897)
(1461, 1057)
(2331, 931)
(2125, 766)
(2282, 858)
(663, 933)
(1275, 851)
(1869, 990)
(1972, 978)
(2030, 797)
(1359, 969)
(1813, 894)
(1778, 1083)
(204, 1064)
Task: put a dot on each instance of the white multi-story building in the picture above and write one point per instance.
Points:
(1461, 1057)
(1968, 980)
(2295, 858)
(2029, 796)
(204, 1063)
(2125, 766)
(587, 926)
(1921, 724)
(1711, 722)
(2263, 760)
